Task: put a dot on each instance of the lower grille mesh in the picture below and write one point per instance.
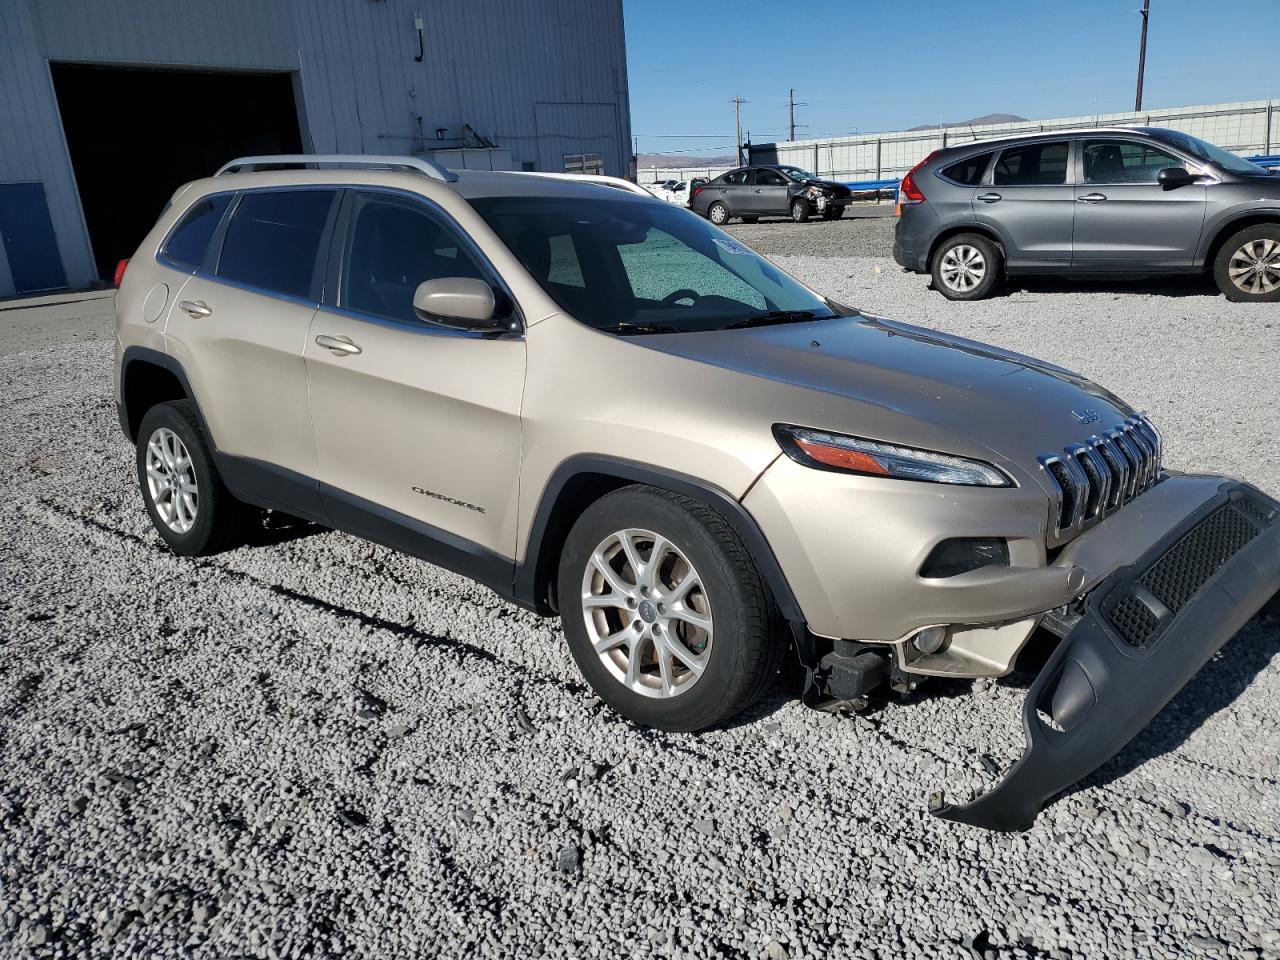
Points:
(1180, 572)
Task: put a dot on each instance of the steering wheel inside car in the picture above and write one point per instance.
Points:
(671, 299)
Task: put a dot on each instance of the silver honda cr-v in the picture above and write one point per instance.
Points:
(602, 406)
(1095, 202)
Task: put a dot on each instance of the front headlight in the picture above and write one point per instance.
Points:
(842, 454)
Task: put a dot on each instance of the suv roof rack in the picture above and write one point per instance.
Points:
(597, 178)
(350, 160)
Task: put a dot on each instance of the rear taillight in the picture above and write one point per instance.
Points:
(121, 267)
(696, 191)
(908, 193)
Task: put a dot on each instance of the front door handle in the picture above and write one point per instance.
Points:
(339, 346)
(990, 197)
(196, 308)
(1092, 198)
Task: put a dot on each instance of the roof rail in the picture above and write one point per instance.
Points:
(340, 160)
(596, 178)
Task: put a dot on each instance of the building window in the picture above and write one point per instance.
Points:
(584, 163)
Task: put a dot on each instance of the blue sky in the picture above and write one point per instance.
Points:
(864, 66)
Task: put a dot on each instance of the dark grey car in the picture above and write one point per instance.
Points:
(1117, 201)
(769, 190)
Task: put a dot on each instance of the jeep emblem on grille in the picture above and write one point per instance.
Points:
(1086, 415)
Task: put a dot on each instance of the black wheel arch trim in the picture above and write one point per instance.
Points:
(535, 575)
(136, 354)
(1214, 235)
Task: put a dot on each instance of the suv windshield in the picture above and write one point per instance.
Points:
(798, 175)
(634, 267)
(1208, 152)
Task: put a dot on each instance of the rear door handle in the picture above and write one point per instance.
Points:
(196, 308)
(1092, 198)
(990, 197)
(339, 346)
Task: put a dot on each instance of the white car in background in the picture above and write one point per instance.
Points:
(682, 192)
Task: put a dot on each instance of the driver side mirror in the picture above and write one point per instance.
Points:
(1173, 177)
(462, 303)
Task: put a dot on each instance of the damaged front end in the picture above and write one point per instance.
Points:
(1143, 633)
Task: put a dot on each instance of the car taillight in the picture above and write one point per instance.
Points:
(120, 269)
(908, 193)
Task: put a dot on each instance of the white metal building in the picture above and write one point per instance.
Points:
(105, 107)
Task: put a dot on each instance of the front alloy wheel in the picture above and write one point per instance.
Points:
(1255, 267)
(664, 610)
(647, 613)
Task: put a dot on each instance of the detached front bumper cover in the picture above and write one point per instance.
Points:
(1146, 630)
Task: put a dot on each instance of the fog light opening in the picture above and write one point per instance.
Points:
(930, 640)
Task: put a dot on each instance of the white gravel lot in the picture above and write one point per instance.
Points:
(315, 747)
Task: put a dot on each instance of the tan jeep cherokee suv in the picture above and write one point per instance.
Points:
(602, 406)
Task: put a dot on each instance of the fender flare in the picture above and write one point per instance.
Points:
(166, 362)
(531, 573)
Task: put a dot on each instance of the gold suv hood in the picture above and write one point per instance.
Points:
(976, 394)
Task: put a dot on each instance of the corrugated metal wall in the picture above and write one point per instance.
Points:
(540, 78)
(1246, 128)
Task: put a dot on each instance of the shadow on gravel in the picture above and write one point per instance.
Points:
(279, 528)
(1181, 286)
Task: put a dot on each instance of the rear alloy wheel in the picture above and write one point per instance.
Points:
(1247, 268)
(799, 209)
(966, 267)
(718, 214)
(664, 610)
(190, 506)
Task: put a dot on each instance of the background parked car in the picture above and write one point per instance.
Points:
(1120, 201)
(774, 190)
(682, 192)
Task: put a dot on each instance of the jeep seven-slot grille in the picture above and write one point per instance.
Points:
(1139, 612)
(1097, 477)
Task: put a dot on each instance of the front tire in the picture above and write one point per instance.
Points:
(800, 210)
(1247, 268)
(966, 267)
(187, 501)
(718, 214)
(664, 610)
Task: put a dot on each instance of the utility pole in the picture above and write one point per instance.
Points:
(737, 102)
(1142, 52)
(791, 105)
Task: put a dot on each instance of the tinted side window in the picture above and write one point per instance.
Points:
(1037, 164)
(736, 177)
(273, 239)
(393, 246)
(968, 172)
(1119, 161)
(189, 242)
(770, 178)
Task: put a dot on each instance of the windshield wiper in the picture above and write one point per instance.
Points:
(626, 329)
(772, 317)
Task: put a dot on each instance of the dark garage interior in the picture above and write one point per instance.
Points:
(135, 134)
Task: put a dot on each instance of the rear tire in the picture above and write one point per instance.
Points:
(966, 267)
(1247, 268)
(718, 214)
(800, 210)
(625, 641)
(191, 508)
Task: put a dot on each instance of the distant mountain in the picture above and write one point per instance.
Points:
(679, 160)
(975, 122)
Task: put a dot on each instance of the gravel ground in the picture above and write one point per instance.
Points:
(312, 746)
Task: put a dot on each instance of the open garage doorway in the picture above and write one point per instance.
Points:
(136, 133)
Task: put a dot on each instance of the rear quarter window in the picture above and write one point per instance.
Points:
(273, 240)
(967, 172)
(189, 242)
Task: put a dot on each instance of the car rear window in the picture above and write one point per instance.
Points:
(273, 239)
(1037, 164)
(968, 172)
(190, 239)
